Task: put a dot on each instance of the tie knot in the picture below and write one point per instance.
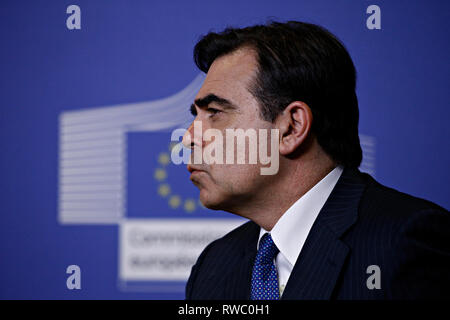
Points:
(267, 250)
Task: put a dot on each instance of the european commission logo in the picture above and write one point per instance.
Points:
(115, 168)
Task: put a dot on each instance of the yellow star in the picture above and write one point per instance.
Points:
(172, 145)
(164, 158)
(189, 205)
(164, 190)
(174, 202)
(160, 174)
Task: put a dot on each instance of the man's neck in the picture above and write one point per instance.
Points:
(282, 194)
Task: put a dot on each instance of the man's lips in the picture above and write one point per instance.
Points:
(193, 169)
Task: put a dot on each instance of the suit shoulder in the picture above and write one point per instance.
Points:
(236, 237)
(393, 202)
(406, 236)
(225, 249)
(385, 213)
(233, 241)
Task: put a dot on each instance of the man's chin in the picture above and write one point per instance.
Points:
(210, 203)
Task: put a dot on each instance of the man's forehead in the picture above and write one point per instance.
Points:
(231, 73)
(239, 63)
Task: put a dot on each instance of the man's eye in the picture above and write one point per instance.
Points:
(213, 111)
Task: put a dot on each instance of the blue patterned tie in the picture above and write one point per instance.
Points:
(264, 275)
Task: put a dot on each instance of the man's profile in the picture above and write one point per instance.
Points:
(319, 228)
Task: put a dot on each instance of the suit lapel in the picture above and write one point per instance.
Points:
(323, 255)
(237, 282)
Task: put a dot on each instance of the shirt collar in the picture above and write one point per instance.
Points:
(291, 230)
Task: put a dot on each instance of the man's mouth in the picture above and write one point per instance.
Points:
(194, 170)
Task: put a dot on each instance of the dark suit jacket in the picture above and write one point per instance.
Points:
(362, 223)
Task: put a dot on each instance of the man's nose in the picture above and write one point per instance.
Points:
(189, 140)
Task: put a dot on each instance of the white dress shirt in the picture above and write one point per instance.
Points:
(291, 230)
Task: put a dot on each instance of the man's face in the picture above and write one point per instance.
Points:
(224, 102)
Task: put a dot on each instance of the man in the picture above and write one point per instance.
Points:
(319, 228)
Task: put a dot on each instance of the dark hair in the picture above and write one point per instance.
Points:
(298, 62)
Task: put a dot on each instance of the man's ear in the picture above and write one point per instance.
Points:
(294, 124)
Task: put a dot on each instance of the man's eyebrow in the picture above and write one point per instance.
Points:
(210, 98)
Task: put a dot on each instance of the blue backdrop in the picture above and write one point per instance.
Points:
(133, 51)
